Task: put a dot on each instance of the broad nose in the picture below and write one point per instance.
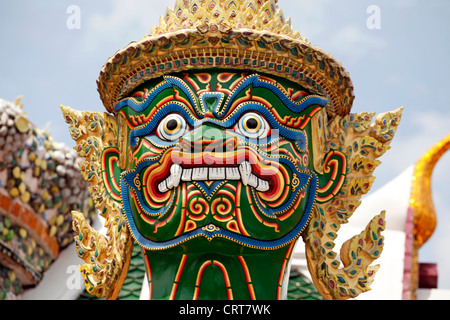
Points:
(208, 138)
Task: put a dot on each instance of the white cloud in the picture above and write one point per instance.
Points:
(337, 28)
(394, 79)
(352, 44)
(418, 132)
(127, 21)
(310, 18)
(402, 4)
(422, 89)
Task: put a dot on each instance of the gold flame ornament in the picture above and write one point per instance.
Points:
(248, 35)
(421, 204)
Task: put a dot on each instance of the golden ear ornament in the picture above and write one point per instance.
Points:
(362, 142)
(107, 256)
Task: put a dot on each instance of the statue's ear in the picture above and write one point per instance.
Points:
(96, 136)
(333, 177)
(111, 173)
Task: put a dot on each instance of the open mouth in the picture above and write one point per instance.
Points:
(242, 173)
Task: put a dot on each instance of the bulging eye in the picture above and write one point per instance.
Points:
(253, 126)
(172, 127)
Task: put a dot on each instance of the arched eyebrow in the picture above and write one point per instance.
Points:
(150, 126)
(168, 83)
(255, 82)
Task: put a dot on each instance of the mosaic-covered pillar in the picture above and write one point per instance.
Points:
(40, 184)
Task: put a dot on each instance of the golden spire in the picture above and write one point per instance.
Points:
(421, 205)
(421, 200)
(240, 14)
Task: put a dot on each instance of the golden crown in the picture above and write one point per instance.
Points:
(233, 34)
(239, 14)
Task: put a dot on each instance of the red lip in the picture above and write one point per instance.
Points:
(260, 167)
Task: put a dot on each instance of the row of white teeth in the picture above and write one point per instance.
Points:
(243, 173)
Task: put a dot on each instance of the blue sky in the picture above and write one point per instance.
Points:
(403, 63)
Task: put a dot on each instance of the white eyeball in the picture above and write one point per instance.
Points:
(172, 127)
(253, 126)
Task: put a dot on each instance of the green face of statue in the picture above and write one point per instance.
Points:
(219, 154)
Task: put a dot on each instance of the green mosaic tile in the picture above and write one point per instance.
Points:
(301, 288)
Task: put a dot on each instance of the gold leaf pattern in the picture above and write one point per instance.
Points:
(107, 257)
(363, 142)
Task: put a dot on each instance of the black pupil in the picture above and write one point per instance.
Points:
(172, 124)
(252, 123)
